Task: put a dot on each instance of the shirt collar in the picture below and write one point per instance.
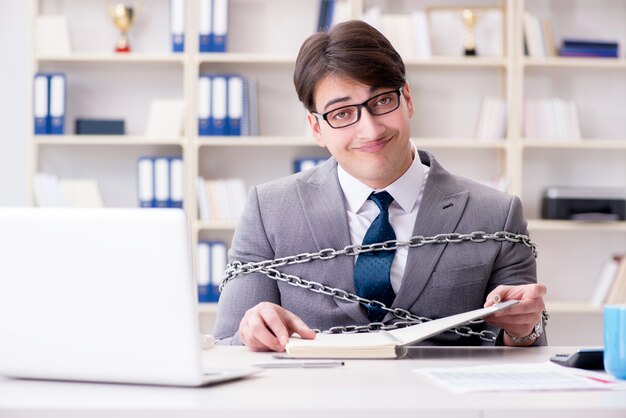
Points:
(405, 190)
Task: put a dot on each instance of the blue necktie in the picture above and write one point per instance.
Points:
(372, 270)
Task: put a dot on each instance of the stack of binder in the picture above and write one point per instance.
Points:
(160, 182)
(213, 25)
(49, 103)
(211, 257)
(226, 106)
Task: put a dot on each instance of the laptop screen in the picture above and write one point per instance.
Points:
(97, 294)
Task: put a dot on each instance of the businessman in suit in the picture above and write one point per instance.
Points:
(353, 83)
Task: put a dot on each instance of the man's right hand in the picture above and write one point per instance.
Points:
(267, 327)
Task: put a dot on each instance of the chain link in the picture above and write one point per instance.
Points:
(406, 318)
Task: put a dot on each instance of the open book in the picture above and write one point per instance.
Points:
(382, 344)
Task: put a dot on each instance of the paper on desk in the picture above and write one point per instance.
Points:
(518, 377)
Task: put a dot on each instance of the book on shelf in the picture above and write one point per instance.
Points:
(166, 119)
(492, 119)
(551, 118)
(220, 199)
(50, 191)
(498, 182)
(535, 39)
(382, 344)
(617, 291)
(52, 35)
(332, 12)
(605, 280)
(408, 33)
(589, 48)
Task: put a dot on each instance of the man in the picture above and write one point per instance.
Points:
(376, 187)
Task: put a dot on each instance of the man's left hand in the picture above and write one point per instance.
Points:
(520, 319)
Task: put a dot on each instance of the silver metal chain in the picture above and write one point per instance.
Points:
(406, 318)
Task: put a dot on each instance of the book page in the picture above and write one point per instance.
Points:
(384, 342)
(426, 330)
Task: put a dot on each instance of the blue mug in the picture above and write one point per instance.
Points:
(615, 340)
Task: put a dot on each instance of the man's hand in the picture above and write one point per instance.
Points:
(267, 327)
(520, 319)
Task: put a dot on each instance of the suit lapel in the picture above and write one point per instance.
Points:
(440, 211)
(322, 201)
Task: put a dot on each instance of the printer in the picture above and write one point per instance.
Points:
(584, 203)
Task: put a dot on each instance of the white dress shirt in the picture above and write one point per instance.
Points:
(407, 194)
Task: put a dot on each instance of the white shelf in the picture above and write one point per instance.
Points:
(573, 307)
(608, 144)
(103, 140)
(255, 141)
(135, 57)
(207, 307)
(557, 225)
(459, 143)
(215, 226)
(567, 62)
(246, 58)
(442, 61)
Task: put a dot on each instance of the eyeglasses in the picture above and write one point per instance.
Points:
(379, 105)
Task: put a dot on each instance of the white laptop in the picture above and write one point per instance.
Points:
(102, 295)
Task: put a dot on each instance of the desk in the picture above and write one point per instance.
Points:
(361, 388)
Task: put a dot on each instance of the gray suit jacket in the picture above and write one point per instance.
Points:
(305, 213)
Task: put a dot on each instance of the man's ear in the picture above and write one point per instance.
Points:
(406, 92)
(314, 123)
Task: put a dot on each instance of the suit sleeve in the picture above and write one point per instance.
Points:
(250, 244)
(515, 264)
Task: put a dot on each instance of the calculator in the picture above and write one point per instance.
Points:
(583, 358)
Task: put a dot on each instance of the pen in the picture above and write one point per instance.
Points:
(299, 364)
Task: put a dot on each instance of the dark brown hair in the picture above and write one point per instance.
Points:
(351, 49)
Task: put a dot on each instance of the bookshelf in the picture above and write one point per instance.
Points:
(264, 37)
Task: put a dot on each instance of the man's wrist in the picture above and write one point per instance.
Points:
(534, 334)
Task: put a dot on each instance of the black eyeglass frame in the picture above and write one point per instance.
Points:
(324, 116)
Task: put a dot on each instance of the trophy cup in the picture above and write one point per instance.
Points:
(123, 17)
(469, 18)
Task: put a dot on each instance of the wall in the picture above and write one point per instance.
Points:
(14, 155)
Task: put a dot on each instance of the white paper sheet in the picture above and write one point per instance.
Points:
(518, 377)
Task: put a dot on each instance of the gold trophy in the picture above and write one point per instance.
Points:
(469, 18)
(123, 17)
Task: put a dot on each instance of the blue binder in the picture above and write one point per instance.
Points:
(176, 185)
(41, 100)
(219, 105)
(161, 182)
(236, 108)
(203, 271)
(205, 122)
(220, 25)
(177, 25)
(57, 103)
(218, 264)
(145, 182)
(205, 26)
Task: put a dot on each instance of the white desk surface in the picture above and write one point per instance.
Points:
(361, 388)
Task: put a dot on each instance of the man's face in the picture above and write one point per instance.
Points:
(376, 149)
